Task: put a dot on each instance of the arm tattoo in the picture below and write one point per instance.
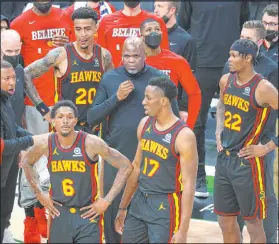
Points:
(36, 69)
(220, 117)
(107, 60)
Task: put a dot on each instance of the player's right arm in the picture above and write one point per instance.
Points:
(38, 68)
(33, 155)
(132, 184)
(220, 112)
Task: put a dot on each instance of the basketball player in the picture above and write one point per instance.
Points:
(242, 111)
(174, 66)
(166, 157)
(79, 66)
(74, 205)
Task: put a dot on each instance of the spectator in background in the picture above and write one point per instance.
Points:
(120, 97)
(180, 41)
(214, 26)
(270, 21)
(254, 30)
(145, 5)
(5, 23)
(12, 9)
(116, 27)
(256, 9)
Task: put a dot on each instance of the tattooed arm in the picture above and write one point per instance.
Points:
(220, 112)
(95, 145)
(107, 60)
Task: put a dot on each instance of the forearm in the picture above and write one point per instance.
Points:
(272, 145)
(220, 117)
(31, 90)
(20, 132)
(100, 112)
(119, 182)
(15, 146)
(131, 187)
(32, 177)
(194, 106)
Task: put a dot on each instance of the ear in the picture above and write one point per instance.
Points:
(249, 58)
(76, 120)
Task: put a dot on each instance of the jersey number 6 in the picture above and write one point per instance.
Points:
(153, 163)
(85, 96)
(67, 187)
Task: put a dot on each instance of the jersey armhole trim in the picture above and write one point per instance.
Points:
(252, 98)
(87, 159)
(174, 138)
(49, 149)
(228, 82)
(147, 122)
(60, 79)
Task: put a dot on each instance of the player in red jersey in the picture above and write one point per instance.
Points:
(173, 65)
(116, 27)
(102, 8)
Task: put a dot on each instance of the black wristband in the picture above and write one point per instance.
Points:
(42, 108)
(275, 140)
(124, 209)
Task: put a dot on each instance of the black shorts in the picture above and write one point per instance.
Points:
(69, 227)
(152, 218)
(239, 186)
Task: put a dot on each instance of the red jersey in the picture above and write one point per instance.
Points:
(69, 11)
(36, 33)
(116, 27)
(179, 71)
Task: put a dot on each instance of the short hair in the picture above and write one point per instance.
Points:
(248, 44)
(149, 20)
(5, 64)
(85, 13)
(256, 25)
(271, 10)
(175, 4)
(63, 103)
(166, 85)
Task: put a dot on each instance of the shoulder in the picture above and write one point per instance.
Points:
(21, 18)
(111, 17)
(41, 141)
(141, 125)
(264, 87)
(185, 137)
(224, 80)
(153, 71)
(105, 52)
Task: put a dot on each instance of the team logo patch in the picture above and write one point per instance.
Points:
(247, 91)
(77, 152)
(167, 138)
(96, 63)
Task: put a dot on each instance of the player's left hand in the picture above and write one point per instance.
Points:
(95, 209)
(59, 40)
(253, 151)
(179, 237)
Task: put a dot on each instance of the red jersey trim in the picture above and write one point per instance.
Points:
(72, 147)
(49, 149)
(164, 131)
(81, 58)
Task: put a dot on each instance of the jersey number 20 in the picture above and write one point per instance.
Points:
(67, 187)
(85, 96)
(153, 163)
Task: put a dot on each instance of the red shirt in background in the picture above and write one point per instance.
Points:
(115, 28)
(179, 71)
(69, 11)
(36, 33)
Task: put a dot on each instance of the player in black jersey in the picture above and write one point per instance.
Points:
(245, 101)
(166, 160)
(79, 66)
(74, 204)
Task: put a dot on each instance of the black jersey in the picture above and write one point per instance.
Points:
(73, 175)
(244, 118)
(81, 80)
(160, 166)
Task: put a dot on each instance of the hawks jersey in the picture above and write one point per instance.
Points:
(244, 118)
(73, 175)
(116, 27)
(160, 166)
(36, 33)
(81, 80)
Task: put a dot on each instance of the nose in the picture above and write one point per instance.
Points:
(144, 101)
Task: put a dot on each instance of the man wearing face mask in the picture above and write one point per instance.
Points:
(181, 42)
(116, 27)
(270, 21)
(173, 65)
(254, 30)
(119, 99)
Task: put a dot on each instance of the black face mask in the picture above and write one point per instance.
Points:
(43, 7)
(166, 18)
(132, 3)
(270, 35)
(13, 60)
(153, 40)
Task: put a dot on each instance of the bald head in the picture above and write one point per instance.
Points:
(133, 54)
(10, 42)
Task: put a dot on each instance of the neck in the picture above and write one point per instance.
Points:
(246, 75)
(37, 12)
(84, 52)
(152, 52)
(131, 11)
(93, 4)
(165, 118)
(67, 142)
(171, 22)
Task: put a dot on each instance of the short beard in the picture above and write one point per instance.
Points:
(65, 134)
(132, 71)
